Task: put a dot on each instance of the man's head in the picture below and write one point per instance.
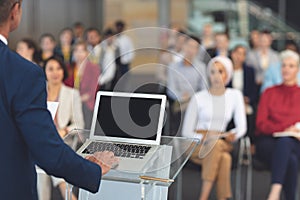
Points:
(120, 26)
(10, 14)
(191, 47)
(222, 41)
(266, 39)
(93, 36)
(78, 29)
(47, 42)
(238, 54)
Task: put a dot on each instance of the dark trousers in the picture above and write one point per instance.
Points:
(282, 157)
(124, 68)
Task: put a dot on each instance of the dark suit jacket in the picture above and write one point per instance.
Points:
(250, 87)
(28, 135)
(211, 53)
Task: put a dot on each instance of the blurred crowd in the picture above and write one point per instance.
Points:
(212, 88)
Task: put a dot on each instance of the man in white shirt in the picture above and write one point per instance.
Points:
(107, 61)
(125, 46)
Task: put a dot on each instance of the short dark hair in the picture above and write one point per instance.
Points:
(266, 31)
(292, 43)
(108, 32)
(47, 35)
(60, 62)
(181, 32)
(66, 29)
(223, 33)
(192, 37)
(120, 24)
(88, 30)
(5, 8)
(32, 45)
(236, 47)
(78, 24)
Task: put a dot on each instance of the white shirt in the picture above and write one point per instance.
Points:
(208, 112)
(184, 80)
(3, 39)
(238, 79)
(108, 64)
(126, 48)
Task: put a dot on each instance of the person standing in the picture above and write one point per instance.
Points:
(125, 46)
(29, 134)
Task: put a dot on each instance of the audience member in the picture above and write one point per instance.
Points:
(107, 61)
(28, 50)
(273, 76)
(78, 30)
(243, 79)
(47, 46)
(125, 45)
(221, 49)
(254, 39)
(93, 39)
(208, 113)
(263, 56)
(222, 45)
(69, 114)
(65, 45)
(292, 45)
(84, 77)
(278, 111)
(184, 79)
(171, 55)
(208, 37)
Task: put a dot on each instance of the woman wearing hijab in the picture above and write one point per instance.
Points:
(207, 116)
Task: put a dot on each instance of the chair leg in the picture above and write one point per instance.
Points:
(244, 162)
(239, 170)
(249, 168)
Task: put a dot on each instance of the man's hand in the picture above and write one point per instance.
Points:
(106, 160)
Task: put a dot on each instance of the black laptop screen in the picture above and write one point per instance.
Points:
(128, 117)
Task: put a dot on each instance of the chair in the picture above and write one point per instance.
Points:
(244, 165)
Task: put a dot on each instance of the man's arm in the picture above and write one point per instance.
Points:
(39, 133)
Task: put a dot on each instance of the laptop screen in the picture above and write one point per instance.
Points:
(128, 117)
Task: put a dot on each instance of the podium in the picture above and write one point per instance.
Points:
(150, 183)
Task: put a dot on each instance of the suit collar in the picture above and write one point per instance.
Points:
(3, 39)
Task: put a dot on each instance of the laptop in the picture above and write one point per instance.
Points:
(129, 124)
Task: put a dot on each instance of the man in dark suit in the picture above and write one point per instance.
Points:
(28, 135)
(222, 47)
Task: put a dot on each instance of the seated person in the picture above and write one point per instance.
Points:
(279, 110)
(209, 112)
(83, 75)
(273, 76)
(27, 49)
(243, 79)
(69, 114)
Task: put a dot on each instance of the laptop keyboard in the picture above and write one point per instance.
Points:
(119, 149)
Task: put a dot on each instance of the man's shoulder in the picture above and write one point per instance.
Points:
(17, 63)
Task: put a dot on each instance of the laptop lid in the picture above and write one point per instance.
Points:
(128, 117)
